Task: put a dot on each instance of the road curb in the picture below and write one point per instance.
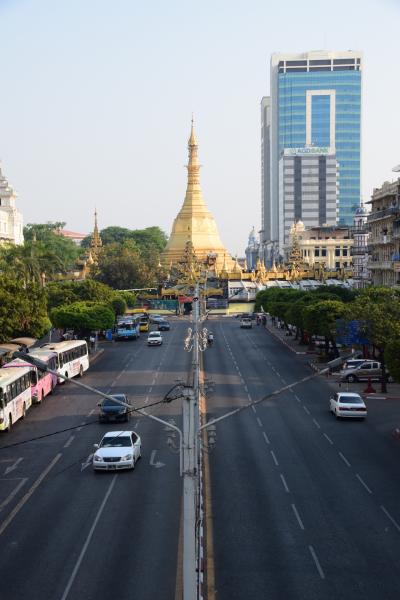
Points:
(278, 337)
(95, 356)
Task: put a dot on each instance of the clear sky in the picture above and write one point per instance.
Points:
(97, 97)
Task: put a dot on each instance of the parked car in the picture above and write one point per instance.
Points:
(368, 369)
(246, 323)
(112, 411)
(354, 362)
(117, 450)
(346, 404)
(163, 325)
(143, 325)
(155, 318)
(154, 339)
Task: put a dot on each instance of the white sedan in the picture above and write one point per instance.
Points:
(347, 404)
(154, 339)
(117, 450)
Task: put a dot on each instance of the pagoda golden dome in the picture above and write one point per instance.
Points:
(194, 222)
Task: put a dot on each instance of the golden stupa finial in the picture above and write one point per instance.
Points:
(192, 139)
(96, 242)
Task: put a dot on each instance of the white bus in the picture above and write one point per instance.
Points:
(72, 357)
(15, 395)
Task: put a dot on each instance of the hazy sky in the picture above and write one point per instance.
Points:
(97, 97)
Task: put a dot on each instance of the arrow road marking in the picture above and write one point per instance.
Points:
(13, 466)
(87, 462)
(157, 464)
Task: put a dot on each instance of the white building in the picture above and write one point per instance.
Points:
(360, 249)
(11, 222)
(307, 189)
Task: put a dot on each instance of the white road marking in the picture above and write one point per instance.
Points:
(89, 537)
(389, 516)
(13, 493)
(254, 409)
(297, 398)
(344, 459)
(363, 483)
(245, 388)
(78, 428)
(249, 397)
(328, 438)
(13, 466)
(316, 424)
(274, 458)
(91, 412)
(284, 483)
(300, 522)
(306, 410)
(69, 441)
(29, 493)
(87, 462)
(266, 438)
(283, 380)
(157, 464)
(315, 557)
(291, 390)
(259, 421)
(150, 389)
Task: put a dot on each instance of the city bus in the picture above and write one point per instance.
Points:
(15, 395)
(42, 383)
(127, 328)
(72, 357)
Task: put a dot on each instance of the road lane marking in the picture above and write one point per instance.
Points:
(259, 421)
(297, 398)
(317, 564)
(296, 514)
(91, 412)
(78, 428)
(13, 493)
(150, 389)
(363, 483)
(266, 438)
(29, 493)
(316, 424)
(253, 408)
(245, 388)
(389, 516)
(284, 483)
(328, 438)
(89, 537)
(344, 459)
(13, 466)
(87, 462)
(274, 458)
(283, 380)
(306, 410)
(69, 441)
(291, 390)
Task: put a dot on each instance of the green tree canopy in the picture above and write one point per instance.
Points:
(122, 267)
(83, 316)
(67, 292)
(22, 309)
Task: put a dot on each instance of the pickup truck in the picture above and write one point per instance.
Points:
(246, 323)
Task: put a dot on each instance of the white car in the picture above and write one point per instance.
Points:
(347, 404)
(117, 450)
(154, 339)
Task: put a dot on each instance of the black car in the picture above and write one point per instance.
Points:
(112, 411)
(164, 326)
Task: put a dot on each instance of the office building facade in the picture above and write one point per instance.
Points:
(315, 102)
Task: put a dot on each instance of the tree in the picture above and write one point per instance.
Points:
(22, 309)
(129, 297)
(320, 318)
(378, 312)
(392, 357)
(118, 305)
(67, 292)
(83, 316)
(122, 267)
(45, 236)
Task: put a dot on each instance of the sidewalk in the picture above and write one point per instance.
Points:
(293, 345)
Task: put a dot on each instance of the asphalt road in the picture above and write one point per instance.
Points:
(303, 506)
(67, 533)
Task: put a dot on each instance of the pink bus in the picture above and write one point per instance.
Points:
(42, 382)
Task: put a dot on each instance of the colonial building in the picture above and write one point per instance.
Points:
(328, 247)
(360, 249)
(384, 242)
(11, 223)
(194, 223)
(75, 237)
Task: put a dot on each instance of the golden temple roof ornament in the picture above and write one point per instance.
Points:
(194, 222)
(96, 243)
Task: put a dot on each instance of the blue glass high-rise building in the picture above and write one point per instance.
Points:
(315, 102)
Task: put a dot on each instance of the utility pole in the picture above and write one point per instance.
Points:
(190, 468)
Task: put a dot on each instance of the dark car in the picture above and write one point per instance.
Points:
(112, 411)
(164, 326)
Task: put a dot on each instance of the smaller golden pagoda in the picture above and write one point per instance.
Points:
(96, 243)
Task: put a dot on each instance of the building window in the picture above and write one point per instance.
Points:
(316, 252)
(345, 251)
(323, 252)
(337, 265)
(337, 251)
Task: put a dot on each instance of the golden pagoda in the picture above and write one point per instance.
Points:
(195, 224)
(96, 243)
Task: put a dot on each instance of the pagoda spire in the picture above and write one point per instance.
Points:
(96, 242)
